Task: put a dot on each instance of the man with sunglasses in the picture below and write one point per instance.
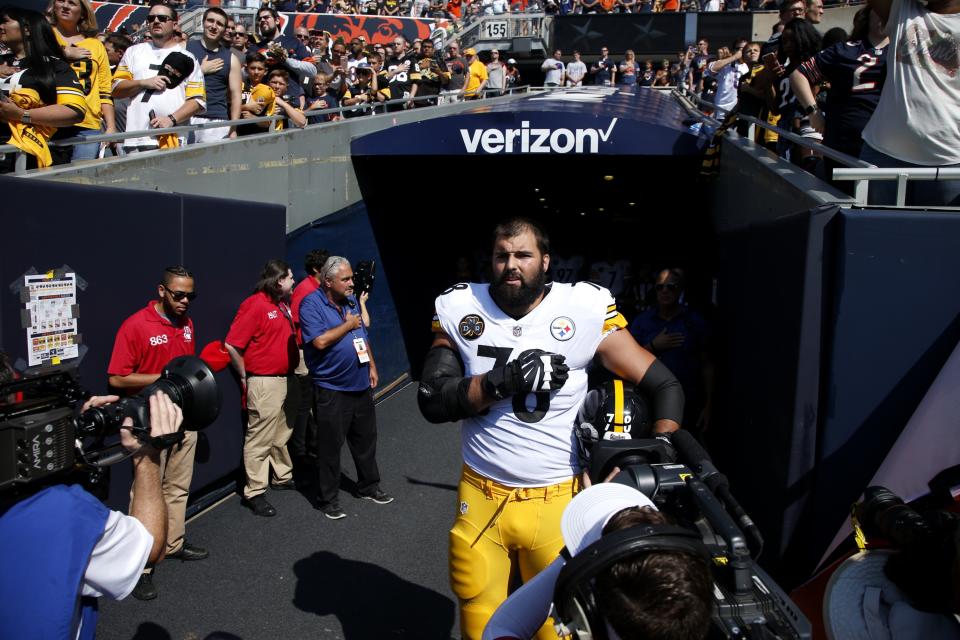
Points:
(154, 103)
(283, 52)
(680, 338)
(240, 40)
(145, 343)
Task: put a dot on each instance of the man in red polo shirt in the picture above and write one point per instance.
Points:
(303, 441)
(263, 350)
(145, 343)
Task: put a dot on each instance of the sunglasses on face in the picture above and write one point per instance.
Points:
(158, 18)
(180, 295)
(667, 286)
(302, 37)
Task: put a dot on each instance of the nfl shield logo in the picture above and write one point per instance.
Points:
(517, 331)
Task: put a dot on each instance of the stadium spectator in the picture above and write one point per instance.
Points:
(241, 41)
(814, 13)
(604, 70)
(457, 70)
(628, 69)
(258, 97)
(698, 65)
(364, 92)
(431, 76)
(513, 74)
(279, 81)
(576, 71)
(45, 95)
(338, 354)
(145, 343)
(798, 42)
(355, 55)
(76, 27)
(402, 72)
(322, 96)
(680, 338)
(319, 46)
(116, 44)
(750, 99)
(496, 74)
(712, 6)
(226, 40)
(645, 79)
(157, 104)
(915, 123)
(263, 352)
(283, 52)
(222, 78)
(856, 71)
(728, 70)
(789, 9)
(554, 70)
(476, 80)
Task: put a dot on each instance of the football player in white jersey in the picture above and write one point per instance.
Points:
(510, 359)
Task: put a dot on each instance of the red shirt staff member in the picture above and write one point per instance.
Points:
(303, 442)
(263, 350)
(145, 343)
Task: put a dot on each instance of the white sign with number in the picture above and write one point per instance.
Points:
(494, 30)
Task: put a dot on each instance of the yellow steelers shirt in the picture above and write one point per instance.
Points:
(25, 93)
(257, 94)
(94, 76)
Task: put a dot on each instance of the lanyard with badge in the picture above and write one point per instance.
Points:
(359, 344)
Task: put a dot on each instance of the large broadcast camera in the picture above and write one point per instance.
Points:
(42, 436)
(677, 474)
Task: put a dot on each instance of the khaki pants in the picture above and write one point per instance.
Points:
(268, 431)
(176, 472)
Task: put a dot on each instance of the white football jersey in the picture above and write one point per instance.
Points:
(142, 61)
(527, 441)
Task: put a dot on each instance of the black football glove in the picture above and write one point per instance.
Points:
(534, 370)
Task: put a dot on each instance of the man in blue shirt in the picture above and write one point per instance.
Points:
(337, 351)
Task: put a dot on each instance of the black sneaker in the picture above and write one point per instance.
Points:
(189, 552)
(379, 497)
(289, 485)
(145, 589)
(260, 506)
(333, 511)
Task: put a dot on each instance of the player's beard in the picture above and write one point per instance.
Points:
(517, 300)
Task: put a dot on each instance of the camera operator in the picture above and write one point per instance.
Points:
(650, 595)
(62, 548)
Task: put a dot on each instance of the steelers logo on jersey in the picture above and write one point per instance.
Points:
(562, 328)
(471, 327)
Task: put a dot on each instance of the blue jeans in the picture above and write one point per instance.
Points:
(924, 193)
(86, 150)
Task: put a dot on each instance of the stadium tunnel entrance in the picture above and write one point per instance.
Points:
(613, 176)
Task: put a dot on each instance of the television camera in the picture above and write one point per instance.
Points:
(677, 474)
(42, 436)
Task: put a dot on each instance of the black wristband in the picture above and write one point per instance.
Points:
(173, 121)
(808, 110)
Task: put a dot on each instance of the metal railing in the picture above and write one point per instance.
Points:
(854, 170)
(360, 110)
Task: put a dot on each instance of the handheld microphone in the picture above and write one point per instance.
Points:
(696, 457)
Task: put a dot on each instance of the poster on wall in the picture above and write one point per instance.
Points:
(52, 328)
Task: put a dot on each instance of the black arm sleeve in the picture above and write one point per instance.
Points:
(660, 385)
(443, 389)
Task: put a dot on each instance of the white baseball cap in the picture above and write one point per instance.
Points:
(588, 513)
(511, 61)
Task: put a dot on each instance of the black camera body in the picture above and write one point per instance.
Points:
(364, 276)
(747, 601)
(41, 435)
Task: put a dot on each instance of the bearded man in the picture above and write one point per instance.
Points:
(510, 359)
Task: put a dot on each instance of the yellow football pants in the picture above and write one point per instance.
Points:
(501, 531)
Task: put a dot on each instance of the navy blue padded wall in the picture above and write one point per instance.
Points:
(119, 241)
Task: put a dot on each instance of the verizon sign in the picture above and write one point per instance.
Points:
(534, 140)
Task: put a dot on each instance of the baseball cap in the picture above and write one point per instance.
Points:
(511, 61)
(470, 52)
(588, 513)
(215, 356)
